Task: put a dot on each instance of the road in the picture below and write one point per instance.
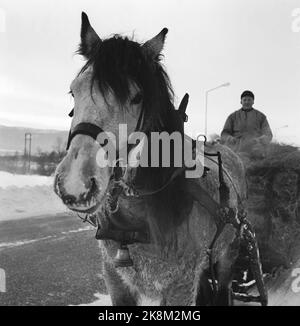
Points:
(55, 260)
(51, 260)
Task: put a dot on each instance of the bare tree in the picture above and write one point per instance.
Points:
(58, 146)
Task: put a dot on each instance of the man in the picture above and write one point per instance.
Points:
(246, 127)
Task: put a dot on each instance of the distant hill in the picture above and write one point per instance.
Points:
(12, 139)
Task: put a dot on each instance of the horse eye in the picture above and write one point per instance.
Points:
(137, 99)
(71, 113)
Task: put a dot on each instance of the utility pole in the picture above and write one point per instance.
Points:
(27, 152)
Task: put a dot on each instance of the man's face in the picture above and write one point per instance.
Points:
(247, 102)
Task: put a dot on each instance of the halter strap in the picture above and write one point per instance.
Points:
(84, 128)
(92, 130)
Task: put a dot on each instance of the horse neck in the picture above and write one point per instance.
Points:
(162, 211)
(155, 177)
(165, 209)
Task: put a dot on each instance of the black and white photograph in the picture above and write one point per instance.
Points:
(149, 155)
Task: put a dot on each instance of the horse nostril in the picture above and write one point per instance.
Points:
(93, 185)
(69, 199)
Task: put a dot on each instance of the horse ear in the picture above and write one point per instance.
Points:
(89, 37)
(156, 44)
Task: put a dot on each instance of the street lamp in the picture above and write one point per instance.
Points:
(276, 129)
(285, 126)
(206, 101)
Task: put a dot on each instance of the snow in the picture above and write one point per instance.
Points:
(101, 300)
(105, 300)
(283, 296)
(19, 243)
(24, 196)
(18, 180)
(284, 290)
(22, 243)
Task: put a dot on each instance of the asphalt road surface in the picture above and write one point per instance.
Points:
(55, 260)
(51, 260)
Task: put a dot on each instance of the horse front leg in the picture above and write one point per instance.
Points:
(225, 272)
(203, 295)
(120, 293)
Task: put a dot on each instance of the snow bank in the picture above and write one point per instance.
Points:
(9, 179)
(24, 196)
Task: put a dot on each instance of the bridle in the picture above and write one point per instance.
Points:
(118, 184)
(85, 128)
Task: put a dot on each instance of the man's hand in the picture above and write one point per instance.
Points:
(264, 140)
(231, 140)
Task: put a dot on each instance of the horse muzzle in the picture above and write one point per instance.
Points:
(84, 202)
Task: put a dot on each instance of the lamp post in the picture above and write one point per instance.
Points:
(276, 129)
(285, 126)
(206, 101)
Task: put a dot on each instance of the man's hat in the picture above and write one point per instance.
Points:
(247, 93)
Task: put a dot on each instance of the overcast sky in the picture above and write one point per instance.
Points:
(252, 44)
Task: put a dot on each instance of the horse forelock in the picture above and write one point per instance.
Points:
(117, 62)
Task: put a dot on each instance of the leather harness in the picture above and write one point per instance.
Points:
(118, 186)
(221, 212)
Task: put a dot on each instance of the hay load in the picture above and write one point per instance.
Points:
(273, 177)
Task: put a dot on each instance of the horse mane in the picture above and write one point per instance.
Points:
(116, 62)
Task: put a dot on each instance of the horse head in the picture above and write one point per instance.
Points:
(122, 82)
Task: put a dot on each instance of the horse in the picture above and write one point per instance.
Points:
(124, 82)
